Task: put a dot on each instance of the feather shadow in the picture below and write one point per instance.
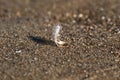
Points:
(42, 41)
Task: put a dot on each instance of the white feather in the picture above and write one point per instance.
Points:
(56, 34)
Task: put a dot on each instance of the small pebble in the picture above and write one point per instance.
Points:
(80, 15)
(103, 17)
(18, 51)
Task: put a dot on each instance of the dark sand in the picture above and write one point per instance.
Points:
(91, 29)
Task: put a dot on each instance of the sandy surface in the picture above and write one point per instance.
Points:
(91, 29)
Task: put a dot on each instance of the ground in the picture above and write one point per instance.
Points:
(91, 29)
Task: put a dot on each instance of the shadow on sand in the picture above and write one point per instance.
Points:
(42, 41)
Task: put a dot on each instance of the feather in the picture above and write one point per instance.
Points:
(56, 34)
